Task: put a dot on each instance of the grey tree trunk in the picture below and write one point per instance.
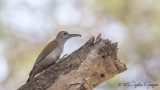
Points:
(86, 68)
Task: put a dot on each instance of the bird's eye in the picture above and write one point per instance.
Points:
(65, 33)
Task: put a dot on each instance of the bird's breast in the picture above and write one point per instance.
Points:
(54, 54)
(52, 57)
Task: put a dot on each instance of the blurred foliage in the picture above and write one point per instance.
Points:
(1, 32)
(115, 7)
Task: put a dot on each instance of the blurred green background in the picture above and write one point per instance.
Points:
(26, 26)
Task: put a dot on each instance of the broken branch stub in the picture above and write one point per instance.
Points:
(86, 68)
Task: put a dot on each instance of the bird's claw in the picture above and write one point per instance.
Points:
(65, 56)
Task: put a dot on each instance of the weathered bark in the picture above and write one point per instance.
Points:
(86, 68)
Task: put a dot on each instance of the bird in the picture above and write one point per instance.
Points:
(51, 53)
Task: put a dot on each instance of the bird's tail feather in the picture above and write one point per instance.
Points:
(30, 77)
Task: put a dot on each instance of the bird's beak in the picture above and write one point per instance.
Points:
(74, 35)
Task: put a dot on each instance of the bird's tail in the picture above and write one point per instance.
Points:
(31, 75)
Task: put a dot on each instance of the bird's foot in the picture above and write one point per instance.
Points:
(63, 57)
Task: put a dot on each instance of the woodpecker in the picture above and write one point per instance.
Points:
(51, 53)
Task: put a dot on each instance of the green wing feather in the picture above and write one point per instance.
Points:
(46, 51)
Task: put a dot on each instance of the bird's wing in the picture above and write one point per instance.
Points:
(46, 51)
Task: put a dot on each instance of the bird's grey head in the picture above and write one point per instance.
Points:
(64, 36)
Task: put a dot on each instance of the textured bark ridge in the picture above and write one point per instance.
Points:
(86, 68)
